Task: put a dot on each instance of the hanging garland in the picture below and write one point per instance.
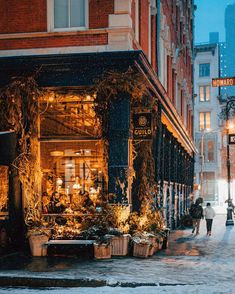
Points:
(19, 110)
(108, 88)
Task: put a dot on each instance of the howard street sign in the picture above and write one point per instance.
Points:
(223, 82)
(231, 139)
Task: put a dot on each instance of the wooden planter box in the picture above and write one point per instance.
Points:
(37, 245)
(120, 245)
(141, 250)
(102, 251)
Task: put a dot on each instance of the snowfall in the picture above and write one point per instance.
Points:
(191, 264)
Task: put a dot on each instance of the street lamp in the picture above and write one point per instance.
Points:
(230, 105)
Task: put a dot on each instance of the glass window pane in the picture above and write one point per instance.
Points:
(210, 151)
(204, 70)
(61, 14)
(207, 93)
(201, 90)
(77, 13)
(208, 120)
(201, 121)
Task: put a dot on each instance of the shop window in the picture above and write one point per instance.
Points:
(69, 14)
(72, 173)
(204, 70)
(71, 154)
(4, 187)
(204, 93)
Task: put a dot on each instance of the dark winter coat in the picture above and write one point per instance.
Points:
(196, 211)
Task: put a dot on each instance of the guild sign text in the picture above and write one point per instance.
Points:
(142, 126)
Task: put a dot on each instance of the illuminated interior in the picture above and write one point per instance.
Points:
(71, 153)
(4, 188)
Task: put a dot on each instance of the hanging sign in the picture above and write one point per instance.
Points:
(231, 139)
(142, 126)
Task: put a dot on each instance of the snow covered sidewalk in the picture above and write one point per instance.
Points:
(191, 262)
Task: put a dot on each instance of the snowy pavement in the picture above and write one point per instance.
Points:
(192, 264)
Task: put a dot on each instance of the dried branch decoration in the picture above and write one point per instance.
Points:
(19, 110)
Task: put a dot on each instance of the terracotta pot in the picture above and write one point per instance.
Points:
(102, 251)
(141, 250)
(37, 245)
(120, 245)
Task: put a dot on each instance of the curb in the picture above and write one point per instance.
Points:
(33, 282)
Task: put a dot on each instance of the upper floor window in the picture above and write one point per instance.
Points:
(204, 120)
(69, 14)
(204, 93)
(210, 151)
(204, 70)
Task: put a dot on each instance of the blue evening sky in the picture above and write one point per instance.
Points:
(209, 17)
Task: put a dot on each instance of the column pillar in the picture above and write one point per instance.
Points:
(118, 138)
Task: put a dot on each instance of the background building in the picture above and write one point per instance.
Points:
(229, 20)
(207, 122)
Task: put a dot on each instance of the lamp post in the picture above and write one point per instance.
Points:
(230, 105)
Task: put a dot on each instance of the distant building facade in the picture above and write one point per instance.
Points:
(229, 55)
(207, 132)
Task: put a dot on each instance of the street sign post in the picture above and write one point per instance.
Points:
(223, 82)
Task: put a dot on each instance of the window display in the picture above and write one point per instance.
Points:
(71, 154)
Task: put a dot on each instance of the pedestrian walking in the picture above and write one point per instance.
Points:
(209, 214)
(196, 212)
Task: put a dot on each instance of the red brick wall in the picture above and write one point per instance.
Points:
(144, 25)
(19, 16)
(99, 11)
(49, 42)
(153, 42)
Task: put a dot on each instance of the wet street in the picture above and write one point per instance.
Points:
(191, 264)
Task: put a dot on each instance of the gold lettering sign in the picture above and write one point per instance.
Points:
(142, 125)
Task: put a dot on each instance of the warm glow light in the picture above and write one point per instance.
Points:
(56, 153)
(231, 125)
(59, 181)
(76, 186)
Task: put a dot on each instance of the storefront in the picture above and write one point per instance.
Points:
(98, 140)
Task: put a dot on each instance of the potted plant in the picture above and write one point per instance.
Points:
(102, 248)
(141, 246)
(118, 218)
(37, 239)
